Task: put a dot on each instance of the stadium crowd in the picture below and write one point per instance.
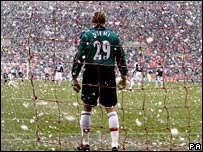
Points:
(47, 32)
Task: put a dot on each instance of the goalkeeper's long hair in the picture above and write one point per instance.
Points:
(99, 18)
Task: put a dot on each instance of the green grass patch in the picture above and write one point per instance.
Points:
(51, 120)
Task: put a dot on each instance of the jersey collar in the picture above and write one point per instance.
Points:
(99, 28)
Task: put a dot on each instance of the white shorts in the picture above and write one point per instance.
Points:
(58, 76)
(11, 76)
(159, 78)
(138, 76)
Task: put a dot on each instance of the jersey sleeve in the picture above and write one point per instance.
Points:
(79, 59)
(121, 58)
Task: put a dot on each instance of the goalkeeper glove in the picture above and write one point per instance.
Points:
(75, 85)
(122, 83)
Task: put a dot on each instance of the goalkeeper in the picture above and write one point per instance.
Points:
(99, 49)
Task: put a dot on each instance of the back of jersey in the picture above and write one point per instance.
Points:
(101, 46)
(59, 68)
(138, 67)
(160, 72)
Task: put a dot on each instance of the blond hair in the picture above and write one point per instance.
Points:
(99, 18)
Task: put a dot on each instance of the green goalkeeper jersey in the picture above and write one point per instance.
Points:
(99, 46)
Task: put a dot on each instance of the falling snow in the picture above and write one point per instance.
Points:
(171, 37)
(24, 127)
(174, 131)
